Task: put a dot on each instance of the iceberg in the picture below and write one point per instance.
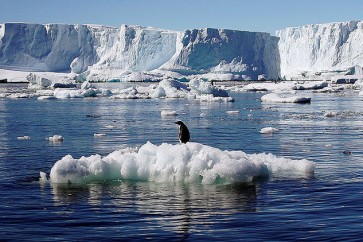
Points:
(319, 51)
(87, 52)
(135, 53)
(190, 163)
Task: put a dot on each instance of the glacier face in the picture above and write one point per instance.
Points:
(50, 47)
(129, 52)
(105, 53)
(312, 50)
(249, 54)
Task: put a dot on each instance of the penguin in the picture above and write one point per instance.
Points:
(184, 135)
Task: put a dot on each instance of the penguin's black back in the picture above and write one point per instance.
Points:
(184, 135)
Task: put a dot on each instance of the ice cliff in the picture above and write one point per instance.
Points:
(135, 53)
(106, 53)
(318, 50)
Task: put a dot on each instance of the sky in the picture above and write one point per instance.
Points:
(247, 15)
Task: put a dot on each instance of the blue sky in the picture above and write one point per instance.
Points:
(251, 15)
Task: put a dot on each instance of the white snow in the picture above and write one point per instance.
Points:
(191, 163)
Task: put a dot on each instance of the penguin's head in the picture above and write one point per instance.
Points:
(179, 122)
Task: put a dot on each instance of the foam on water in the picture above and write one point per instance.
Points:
(191, 162)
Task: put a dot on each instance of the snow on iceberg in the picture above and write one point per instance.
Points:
(191, 163)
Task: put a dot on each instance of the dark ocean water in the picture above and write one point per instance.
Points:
(325, 206)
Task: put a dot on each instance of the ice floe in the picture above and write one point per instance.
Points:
(55, 138)
(191, 163)
(232, 112)
(284, 98)
(268, 130)
(99, 135)
(166, 113)
(25, 137)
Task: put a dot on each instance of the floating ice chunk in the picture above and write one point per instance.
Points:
(37, 82)
(110, 126)
(202, 87)
(46, 92)
(169, 89)
(268, 130)
(328, 145)
(87, 85)
(165, 113)
(191, 162)
(20, 95)
(358, 84)
(284, 98)
(43, 177)
(212, 98)
(74, 93)
(129, 93)
(232, 112)
(308, 85)
(99, 135)
(267, 86)
(55, 138)
(330, 114)
(330, 90)
(25, 137)
(45, 97)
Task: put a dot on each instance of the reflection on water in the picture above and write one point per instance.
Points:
(178, 208)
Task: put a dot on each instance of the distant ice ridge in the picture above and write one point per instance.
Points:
(195, 89)
(191, 163)
(138, 53)
(319, 51)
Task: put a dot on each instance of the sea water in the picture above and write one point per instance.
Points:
(326, 205)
